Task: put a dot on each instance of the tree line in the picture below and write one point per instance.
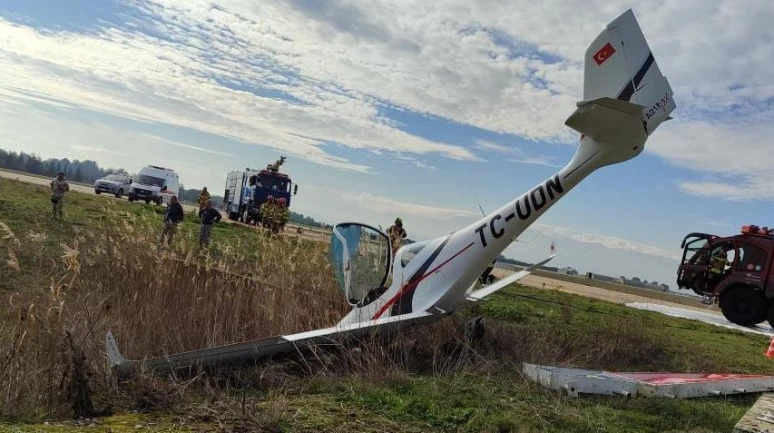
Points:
(78, 171)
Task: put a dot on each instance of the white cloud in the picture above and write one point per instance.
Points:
(502, 66)
(537, 160)
(494, 147)
(183, 145)
(517, 155)
(606, 241)
(133, 75)
(91, 149)
(383, 204)
(731, 153)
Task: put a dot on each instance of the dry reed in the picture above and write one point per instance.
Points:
(159, 300)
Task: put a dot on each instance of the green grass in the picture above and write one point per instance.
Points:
(485, 392)
(26, 210)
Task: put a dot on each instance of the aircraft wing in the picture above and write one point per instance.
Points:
(510, 279)
(251, 351)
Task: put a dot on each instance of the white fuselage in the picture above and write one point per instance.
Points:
(437, 278)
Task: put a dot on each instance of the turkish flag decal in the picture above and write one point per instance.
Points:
(604, 53)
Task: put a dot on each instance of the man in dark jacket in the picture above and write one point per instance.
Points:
(172, 217)
(210, 216)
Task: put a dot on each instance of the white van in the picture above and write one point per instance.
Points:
(154, 184)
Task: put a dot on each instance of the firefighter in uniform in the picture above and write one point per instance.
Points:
(267, 212)
(204, 195)
(718, 263)
(396, 234)
(282, 215)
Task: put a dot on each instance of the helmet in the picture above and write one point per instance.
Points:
(282, 200)
(270, 198)
(398, 221)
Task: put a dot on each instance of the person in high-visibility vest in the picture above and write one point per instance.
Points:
(282, 215)
(717, 267)
(268, 212)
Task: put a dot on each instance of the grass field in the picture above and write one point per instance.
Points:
(66, 283)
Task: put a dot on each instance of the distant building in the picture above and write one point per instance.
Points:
(600, 277)
(636, 282)
(567, 271)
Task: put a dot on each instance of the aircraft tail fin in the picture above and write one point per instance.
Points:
(620, 65)
(625, 96)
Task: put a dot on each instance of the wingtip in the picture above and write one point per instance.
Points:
(114, 355)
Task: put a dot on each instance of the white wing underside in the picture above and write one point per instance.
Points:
(510, 279)
(251, 351)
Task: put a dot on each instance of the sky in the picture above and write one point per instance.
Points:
(407, 108)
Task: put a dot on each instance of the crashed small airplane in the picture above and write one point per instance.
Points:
(625, 99)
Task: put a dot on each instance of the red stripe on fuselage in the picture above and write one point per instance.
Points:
(411, 286)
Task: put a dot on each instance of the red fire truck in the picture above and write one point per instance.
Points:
(734, 271)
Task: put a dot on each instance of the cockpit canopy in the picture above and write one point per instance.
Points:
(361, 259)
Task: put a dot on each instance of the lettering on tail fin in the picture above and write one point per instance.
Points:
(535, 200)
(660, 105)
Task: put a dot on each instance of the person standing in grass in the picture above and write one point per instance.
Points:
(172, 217)
(268, 212)
(59, 187)
(204, 195)
(209, 216)
(282, 215)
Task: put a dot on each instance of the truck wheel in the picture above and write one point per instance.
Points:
(120, 193)
(743, 306)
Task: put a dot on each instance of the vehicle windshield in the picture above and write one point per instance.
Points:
(696, 252)
(274, 184)
(115, 177)
(150, 180)
(360, 258)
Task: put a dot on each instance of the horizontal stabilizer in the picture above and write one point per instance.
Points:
(614, 104)
(606, 118)
(510, 279)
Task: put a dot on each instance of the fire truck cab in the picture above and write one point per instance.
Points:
(733, 271)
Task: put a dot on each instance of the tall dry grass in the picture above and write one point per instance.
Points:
(159, 300)
(155, 299)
